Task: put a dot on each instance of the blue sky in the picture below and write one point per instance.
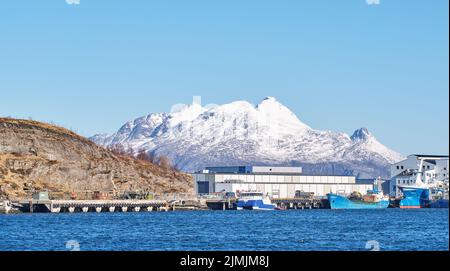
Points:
(339, 65)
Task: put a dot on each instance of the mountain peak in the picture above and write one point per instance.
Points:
(361, 134)
(270, 98)
(277, 114)
(270, 101)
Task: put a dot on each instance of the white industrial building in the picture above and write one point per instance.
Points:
(277, 182)
(434, 171)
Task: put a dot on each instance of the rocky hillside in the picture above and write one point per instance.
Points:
(39, 156)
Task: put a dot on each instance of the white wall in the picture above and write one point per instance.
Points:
(282, 186)
(288, 190)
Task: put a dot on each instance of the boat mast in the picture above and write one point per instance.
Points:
(419, 181)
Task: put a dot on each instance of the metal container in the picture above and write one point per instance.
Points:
(43, 195)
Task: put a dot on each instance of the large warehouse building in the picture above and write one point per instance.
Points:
(277, 182)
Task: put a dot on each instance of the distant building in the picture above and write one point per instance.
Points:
(255, 169)
(277, 182)
(434, 170)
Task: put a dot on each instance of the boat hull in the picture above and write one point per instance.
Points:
(414, 198)
(254, 205)
(440, 203)
(341, 202)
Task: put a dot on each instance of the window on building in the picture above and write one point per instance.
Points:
(402, 167)
(428, 167)
(203, 187)
(398, 167)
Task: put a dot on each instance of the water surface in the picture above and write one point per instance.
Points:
(307, 230)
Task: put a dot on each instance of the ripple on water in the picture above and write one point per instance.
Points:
(393, 229)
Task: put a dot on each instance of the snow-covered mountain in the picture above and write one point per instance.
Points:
(240, 133)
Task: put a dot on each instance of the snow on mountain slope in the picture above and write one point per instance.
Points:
(240, 133)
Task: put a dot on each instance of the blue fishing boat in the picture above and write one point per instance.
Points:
(374, 199)
(254, 201)
(439, 196)
(421, 197)
(343, 202)
(439, 203)
(414, 197)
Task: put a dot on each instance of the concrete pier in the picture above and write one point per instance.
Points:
(221, 204)
(85, 206)
(300, 203)
(56, 210)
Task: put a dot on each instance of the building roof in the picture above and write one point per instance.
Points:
(430, 156)
(255, 169)
(275, 174)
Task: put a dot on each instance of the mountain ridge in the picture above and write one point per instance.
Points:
(242, 133)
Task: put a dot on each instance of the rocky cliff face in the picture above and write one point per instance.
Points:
(38, 156)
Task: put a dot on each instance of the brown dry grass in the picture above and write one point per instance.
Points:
(16, 182)
(45, 126)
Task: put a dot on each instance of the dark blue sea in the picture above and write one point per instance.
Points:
(311, 230)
